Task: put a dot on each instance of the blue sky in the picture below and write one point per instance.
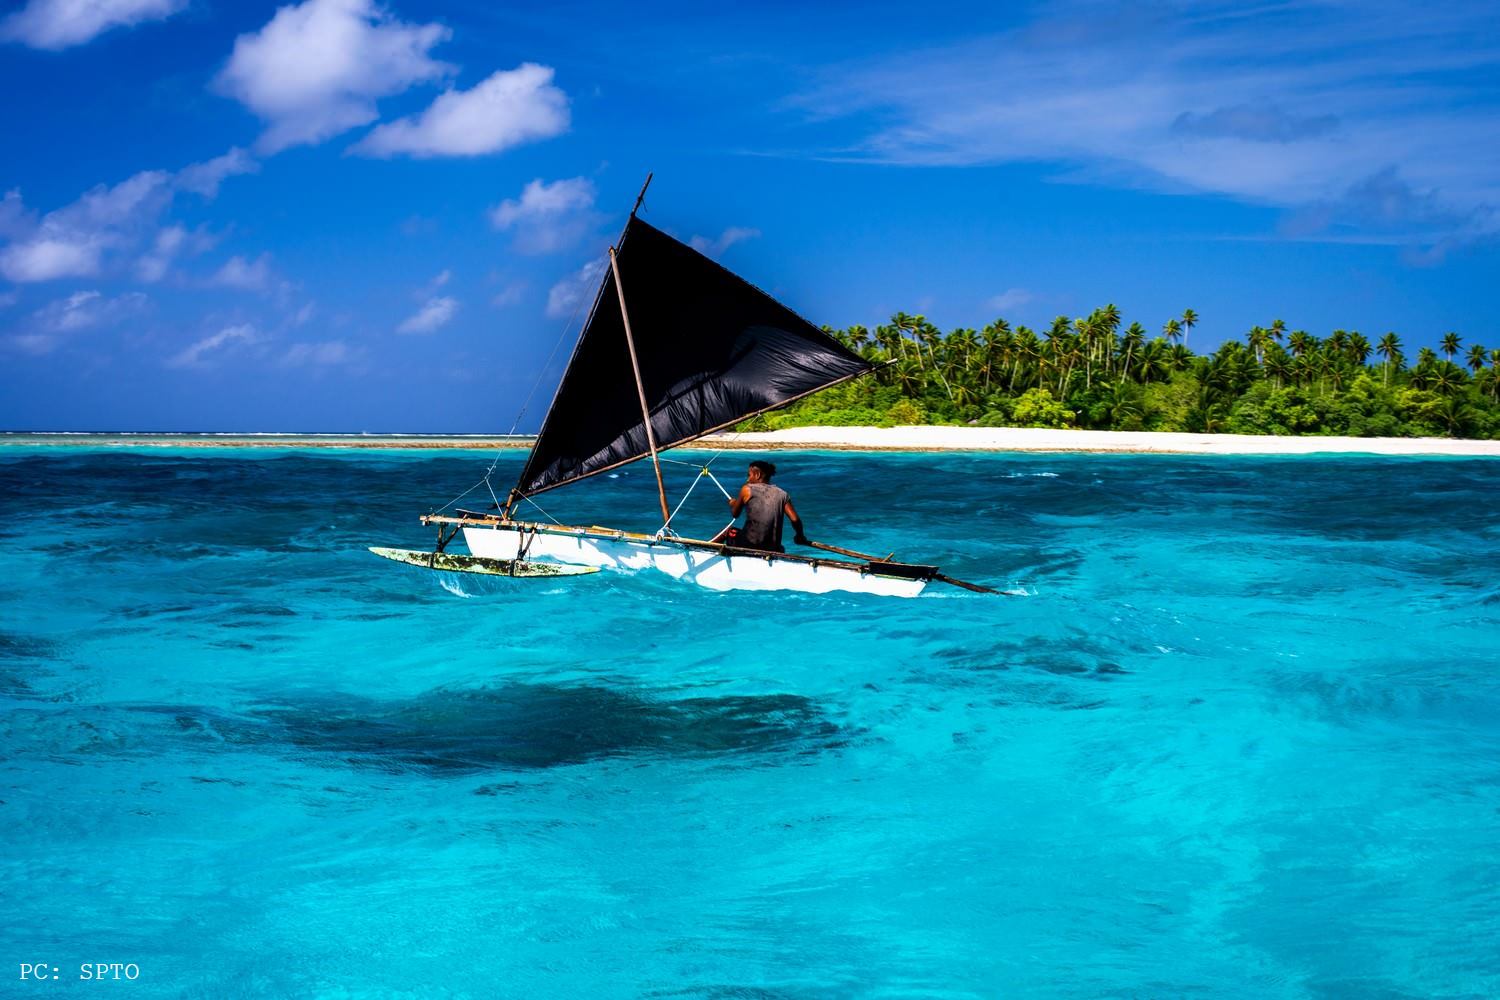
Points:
(354, 216)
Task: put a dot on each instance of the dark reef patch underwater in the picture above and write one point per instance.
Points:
(1240, 738)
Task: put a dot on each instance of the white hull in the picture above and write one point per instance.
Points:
(706, 566)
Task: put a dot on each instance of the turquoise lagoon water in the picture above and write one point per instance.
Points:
(1240, 738)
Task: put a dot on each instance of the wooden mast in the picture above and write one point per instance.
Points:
(640, 389)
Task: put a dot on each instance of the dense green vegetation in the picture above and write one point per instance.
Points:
(1088, 373)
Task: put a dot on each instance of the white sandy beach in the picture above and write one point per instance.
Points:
(921, 438)
(911, 438)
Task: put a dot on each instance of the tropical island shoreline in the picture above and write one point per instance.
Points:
(903, 438)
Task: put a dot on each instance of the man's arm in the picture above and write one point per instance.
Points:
(791, 512)
(737, 504)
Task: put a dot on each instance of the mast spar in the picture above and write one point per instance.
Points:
(640, 388)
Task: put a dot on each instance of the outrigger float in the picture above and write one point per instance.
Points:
(707, 350)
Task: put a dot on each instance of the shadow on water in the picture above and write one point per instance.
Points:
(519, 726)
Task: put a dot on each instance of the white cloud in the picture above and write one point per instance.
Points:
(60, 24)
(172, 242)
(1011, 298)
(1291, 108)
(511, 107)
(153, 266)
(71, 241)
(71, 313)
(540, 200)
(321, 354)
(433, 316)
(45, 258)
(200, 353)
(548, 217)
(576, 290)
(250, 275)
(440, 279)
(204, 178)
(316, 69)
(509, 295)
(51, 325)
(725, 240)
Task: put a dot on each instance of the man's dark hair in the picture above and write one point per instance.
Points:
(767, 470)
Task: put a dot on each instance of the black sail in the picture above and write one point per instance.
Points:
(713, 349)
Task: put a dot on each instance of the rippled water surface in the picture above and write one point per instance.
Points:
(1241, 737)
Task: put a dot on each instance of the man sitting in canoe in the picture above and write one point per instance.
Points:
(764, 506)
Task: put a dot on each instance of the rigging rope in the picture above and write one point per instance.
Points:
(536, 384)
(539, 507)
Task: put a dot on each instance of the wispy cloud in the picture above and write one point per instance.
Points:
(68, 242)
(204, 178)
(1011, 298)
(317, 68)
(171, 243)
(201, 353)
(1292, 105)
(547, 217)
(1265, 123)
(510, 108)
(249, 275)
(435, 314)
(49, 327)
(71, 241)
(61, 24)
(509, 295)
(321, 354)
(728, 238)
(574, 291)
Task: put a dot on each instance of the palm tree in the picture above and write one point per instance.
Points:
(1189, 320)
(996, 342)
(1124, 403)
(1359, 349)
(1455, 415)
(890, 340)
(1028, 353)
(903, 325)
(1451, 342)
(1278, 364)
(1131, 344)
(1301, 342)
(1447, 378)
(1172, 330)
(1156, 360)
(1390, 349)
(1476, 358)
(1259, 338)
